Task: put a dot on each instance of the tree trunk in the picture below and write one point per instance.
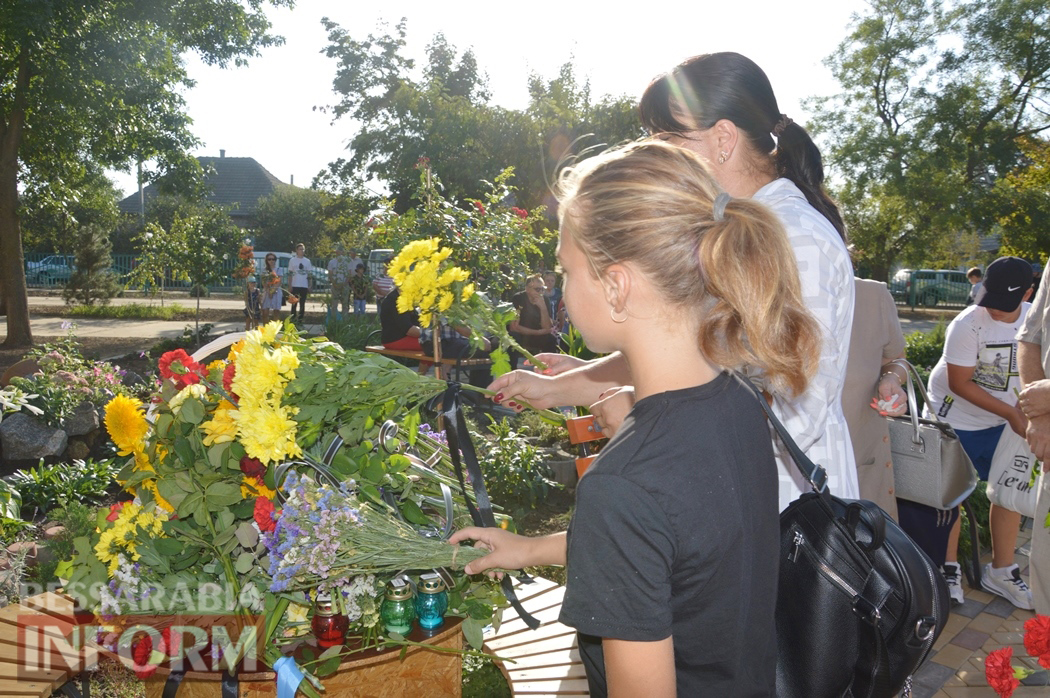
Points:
(12, 261)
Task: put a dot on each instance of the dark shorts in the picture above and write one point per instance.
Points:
(980, 445)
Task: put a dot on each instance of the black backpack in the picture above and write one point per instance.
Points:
(859, 604)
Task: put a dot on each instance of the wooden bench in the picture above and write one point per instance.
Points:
(40, 653)
(454, 364)
(541, 662)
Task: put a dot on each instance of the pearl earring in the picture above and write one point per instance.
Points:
(722, 157)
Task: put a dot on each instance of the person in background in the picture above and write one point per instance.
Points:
(383, 284)
(533, 326)
(1037, 272)
(1033, 362)
(340, 268)
(299, 268)
(355, 259)
(974, 274)
(553, 293)
(974, 388)
(875, 341)
(360, 288)
(252, 304)
(272, 293)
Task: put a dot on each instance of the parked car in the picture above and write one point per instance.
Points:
(51, 271)
(931, 286)
(377, 260)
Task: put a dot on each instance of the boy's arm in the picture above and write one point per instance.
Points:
(960, 382)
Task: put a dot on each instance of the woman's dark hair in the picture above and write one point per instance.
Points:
(718, 86)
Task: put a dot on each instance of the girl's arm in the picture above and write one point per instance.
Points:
(639, 668)
(582, 385)
(960, 383)
(511, 551)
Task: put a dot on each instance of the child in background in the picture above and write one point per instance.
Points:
(359, 287)
(974, 388)
(672, 552)
(252, 305)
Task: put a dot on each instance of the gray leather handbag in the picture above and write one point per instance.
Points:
(929, 464)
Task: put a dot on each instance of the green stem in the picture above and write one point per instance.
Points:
(548, 415)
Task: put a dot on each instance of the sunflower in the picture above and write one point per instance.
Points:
(126, 424)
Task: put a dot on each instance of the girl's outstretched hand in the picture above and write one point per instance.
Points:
(559, 363)
(525, 386)
(509, 551)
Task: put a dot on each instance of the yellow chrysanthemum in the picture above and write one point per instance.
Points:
(269, 331)
(267, 432)
(252, 487)
(467, 292)
(126, 424)
(220, 428)
(217, 365)
(235, 349)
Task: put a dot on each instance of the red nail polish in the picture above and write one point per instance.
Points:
(511, 404)
(499, 397)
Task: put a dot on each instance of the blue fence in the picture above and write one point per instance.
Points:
(52, 271)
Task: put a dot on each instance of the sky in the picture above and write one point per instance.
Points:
(267, 110)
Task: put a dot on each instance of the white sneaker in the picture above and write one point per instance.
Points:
(1008, 584)
(951, 571)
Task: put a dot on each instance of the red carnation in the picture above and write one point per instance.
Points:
(227, 377)
(171, 642)
(1000, 673)
(178, 367)
(252, 467)
(264, 514)
(519, 212)
(480, 207)
(1037, 639)
(141, 650)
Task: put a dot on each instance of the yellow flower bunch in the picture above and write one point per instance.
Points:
(425, 282)
(222, 427)
(123, 536)
(126, 424)
(264, 426)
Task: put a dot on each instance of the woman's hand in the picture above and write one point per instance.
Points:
(612, 408)
(538, 390)
(891, 399)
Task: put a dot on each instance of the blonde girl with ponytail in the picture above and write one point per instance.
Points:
(672, 550)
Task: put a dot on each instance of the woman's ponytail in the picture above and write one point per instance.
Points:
(797, 158)
(755, 313)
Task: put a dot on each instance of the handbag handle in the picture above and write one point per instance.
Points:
(913, 405)
(814, 474)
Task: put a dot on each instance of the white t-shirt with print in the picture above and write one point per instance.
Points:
(975, 339)
(815, 419)
(299, 268)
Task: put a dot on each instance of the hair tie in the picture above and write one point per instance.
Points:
(782, 124)
(720, 206)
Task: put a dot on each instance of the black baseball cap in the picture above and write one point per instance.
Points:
(1006, 280)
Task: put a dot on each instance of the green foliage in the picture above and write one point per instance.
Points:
(351, 331)
(979, 502)
(190, 339)
(919, 143)
(924, 349)
(483, 679)
(514, 473)
(11, 522)
(531, 424)
(47, 487)
(289, 216)
(1026, 194)
(134, 311)
(446, 116)
(93, 279)
(76, 519)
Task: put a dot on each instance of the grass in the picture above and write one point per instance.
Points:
(132, 311)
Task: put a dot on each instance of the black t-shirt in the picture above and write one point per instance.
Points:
(394, 325)
(675, 533)
(531, 317)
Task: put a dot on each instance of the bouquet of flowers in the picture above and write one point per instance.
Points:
(1002, 676)
(246, 263)
(220, 515)
(430, 284)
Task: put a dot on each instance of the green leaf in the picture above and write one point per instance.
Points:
(189, 505)
(170, 490)
(329, 667)
(168, 546)
(220, 495)
(217, 454)
(474, 632)
(372, 493)
(244, 563)
(411, 511)
(500, 362)
(247, 536)
(192, 411)
(374, 472)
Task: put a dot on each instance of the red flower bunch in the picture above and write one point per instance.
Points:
(264, 514)
(114, 511)
(1000, 673)
(227, 378)
(143, 660)
(1037, 639)
(246, 252)
(519, 212)
(179, 368)
(480, 207)
(422, 163)
(252, 467)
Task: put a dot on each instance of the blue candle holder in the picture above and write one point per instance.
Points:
(431, 601)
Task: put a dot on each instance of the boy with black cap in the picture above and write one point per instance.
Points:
(974, 388)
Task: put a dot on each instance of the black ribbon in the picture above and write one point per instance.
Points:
(459, 440)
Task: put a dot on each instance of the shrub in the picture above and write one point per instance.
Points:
(924, 349)
(483, 679)
(48, 487)
(189, 340)
(93, 279)
(351, 331)
(514, 473)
